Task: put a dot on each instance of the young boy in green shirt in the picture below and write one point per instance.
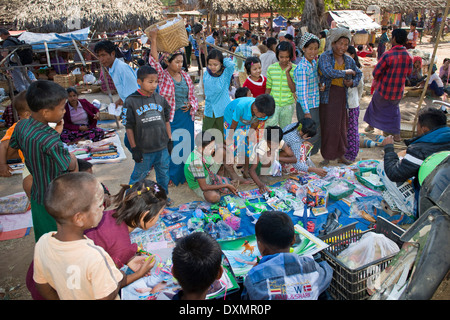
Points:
(44, 153)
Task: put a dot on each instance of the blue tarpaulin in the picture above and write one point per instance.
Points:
(280, 21)
(54, 40)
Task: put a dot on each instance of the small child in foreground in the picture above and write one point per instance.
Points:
(281, 275)
(197, 263)
(67, 265)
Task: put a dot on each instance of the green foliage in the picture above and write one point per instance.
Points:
(294, 8)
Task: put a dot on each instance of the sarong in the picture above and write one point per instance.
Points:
(333, 124)
(183, 144)
(383, 114)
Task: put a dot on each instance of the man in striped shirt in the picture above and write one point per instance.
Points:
(45, 155)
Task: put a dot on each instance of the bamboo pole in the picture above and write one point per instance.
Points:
(430, 68)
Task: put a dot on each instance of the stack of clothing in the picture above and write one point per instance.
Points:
(108, 151)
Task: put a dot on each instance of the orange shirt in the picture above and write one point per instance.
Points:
(8, 135)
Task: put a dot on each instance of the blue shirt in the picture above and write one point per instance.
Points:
(287, 276)
(125, 81)
(216, 90)
(307, 84)
(328, 73)
(239, 110)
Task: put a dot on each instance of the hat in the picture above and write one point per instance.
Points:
(282, 34)
(337, 33)
(305, 38)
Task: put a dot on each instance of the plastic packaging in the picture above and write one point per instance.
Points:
(370, 248)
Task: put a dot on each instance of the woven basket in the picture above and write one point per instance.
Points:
(361, 38)
(172, 38)
(65, 80)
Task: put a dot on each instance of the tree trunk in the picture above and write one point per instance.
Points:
(312, 16)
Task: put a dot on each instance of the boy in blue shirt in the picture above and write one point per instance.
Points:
(241, 115)
(281, 275)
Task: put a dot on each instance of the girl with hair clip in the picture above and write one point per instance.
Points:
(256, 82)
(136, 206)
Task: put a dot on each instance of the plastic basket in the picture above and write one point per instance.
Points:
(171, 38)
(364, 165)
(351, 284)
(368, 184)
(339, 196)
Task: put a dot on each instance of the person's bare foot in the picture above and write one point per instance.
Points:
(369, 129)
(324, 163)
(344, 160)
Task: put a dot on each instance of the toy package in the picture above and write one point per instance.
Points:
(316, 197)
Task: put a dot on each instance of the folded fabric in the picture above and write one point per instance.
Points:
(15, 203)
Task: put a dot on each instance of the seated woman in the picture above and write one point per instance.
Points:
(80, 120)
(416, 78)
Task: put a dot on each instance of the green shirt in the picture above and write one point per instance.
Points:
(195, 169)
(45, 155)
(278, 85)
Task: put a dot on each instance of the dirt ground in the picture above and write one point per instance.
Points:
(16, 255)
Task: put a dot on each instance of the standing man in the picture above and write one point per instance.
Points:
(19, 74)
(290, 29)
(123, 76)
(390, 73)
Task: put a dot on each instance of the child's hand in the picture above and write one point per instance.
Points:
(232, 189)
(263, 189)
(136, 154)
(5, 170)
(319, 171)
(348, 83)
(60, 126)
(289, 67)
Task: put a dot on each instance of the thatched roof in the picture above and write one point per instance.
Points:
(238, 6)
(101, 15)
(399, 5)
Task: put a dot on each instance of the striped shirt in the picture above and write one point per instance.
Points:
(45, 155)
(278, 85)
(307, 84)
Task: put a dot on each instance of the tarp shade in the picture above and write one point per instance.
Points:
(355, 20)
(54, 40)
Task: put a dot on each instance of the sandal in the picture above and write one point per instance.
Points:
(369, 129)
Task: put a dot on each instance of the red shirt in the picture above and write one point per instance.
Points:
(256, 88)
(391, 71)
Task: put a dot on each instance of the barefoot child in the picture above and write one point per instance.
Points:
(240, 116)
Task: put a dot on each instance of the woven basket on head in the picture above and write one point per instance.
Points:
(64, 80)
(171, 38)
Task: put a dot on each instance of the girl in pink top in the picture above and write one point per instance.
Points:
(138, 206)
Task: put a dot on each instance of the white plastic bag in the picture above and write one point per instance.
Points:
(371, 247)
